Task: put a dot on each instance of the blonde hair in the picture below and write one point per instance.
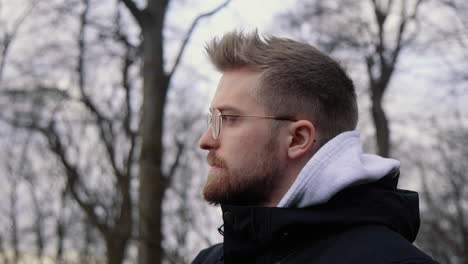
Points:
(297, 79)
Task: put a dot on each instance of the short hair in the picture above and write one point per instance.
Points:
(296, 79)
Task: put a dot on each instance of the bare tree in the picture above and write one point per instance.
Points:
(376, 32)
(61, 232)
(9, 31)
(456, 31)
(79, 124)
(111, 216)
(14, 177)
(444, 189)
(156, 82)
(39, 223)
(442, 168)
(14, 229)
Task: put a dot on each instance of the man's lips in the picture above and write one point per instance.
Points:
(215, 165)
(215, 168)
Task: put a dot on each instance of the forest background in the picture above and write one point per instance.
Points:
(102, 103)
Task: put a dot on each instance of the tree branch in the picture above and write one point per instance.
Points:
(73, 176)
(180, 150)
(134, 10)
(10, 36)
(104, 124)
(36, 93)
(189, 34)
(405, 18)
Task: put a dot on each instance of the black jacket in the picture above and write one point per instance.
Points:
(371, 223)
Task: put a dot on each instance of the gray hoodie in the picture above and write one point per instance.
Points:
(340, 163)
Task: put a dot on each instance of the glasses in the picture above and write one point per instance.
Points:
(215, 120)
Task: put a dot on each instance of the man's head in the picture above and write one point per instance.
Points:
(256, 159)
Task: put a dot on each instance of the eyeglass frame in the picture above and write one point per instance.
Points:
(216, 134)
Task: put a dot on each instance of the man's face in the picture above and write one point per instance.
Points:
(245, 160)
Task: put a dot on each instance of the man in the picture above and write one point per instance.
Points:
(287, 166)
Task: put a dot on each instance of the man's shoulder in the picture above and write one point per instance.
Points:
(366, 244)
(211, 255)
(359, 245)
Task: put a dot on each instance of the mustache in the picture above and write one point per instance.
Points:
(213, 160)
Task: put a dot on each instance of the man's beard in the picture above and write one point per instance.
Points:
(252, 185)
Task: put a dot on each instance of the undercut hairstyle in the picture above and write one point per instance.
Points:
(297, 80)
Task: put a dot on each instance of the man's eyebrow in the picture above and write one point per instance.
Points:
(227, 108)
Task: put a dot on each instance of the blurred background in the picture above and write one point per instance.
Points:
(102, 103)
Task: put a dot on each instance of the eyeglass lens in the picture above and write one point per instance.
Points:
(214, 120)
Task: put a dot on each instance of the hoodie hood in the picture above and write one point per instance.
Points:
(339, 164)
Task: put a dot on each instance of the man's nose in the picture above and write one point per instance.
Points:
(207, 141)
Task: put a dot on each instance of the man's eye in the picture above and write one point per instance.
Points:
(230, 119)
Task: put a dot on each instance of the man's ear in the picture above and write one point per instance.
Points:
(301, 139)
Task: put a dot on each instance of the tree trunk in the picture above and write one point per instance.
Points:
(116, 249)
(382, 131)
(155, 85)
(378, 83)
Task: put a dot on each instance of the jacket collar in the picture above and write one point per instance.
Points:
(248, 229)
